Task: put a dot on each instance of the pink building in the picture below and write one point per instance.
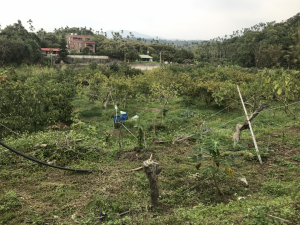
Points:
(79, 42)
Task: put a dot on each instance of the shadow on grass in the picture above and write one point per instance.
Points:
(93, 112)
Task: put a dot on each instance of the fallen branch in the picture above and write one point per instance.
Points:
(182, 138)
(239, 127)
(185, 137)
(277, 218)
(134, 169)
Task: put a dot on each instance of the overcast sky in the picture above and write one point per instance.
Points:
(171, 19)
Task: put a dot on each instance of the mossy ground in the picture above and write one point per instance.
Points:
(50, 196)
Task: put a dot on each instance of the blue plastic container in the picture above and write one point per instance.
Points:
(124, 117)
(117, 119)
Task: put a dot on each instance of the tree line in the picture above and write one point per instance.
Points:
(262, 45)
(17, 45)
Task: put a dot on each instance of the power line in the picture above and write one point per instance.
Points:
(13, 131)
(260, 112)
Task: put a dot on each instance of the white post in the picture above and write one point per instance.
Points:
(160, 56)
(116, 108)
(250, 126)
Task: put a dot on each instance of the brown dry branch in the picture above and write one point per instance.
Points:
(239, 127)
(278, 218)
(182, 138)
(185, 137)
(136, 169)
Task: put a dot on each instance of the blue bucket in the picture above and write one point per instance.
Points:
(117, 119)
(124, 117)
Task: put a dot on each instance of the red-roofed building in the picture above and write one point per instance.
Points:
(79, 42)
(49, 50)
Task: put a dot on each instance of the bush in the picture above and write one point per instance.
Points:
(32, 98)
(93, 65)
(86, 51)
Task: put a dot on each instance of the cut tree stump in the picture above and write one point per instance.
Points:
(239, 127)
(152, 169)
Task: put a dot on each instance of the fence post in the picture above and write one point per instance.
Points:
(250, 126)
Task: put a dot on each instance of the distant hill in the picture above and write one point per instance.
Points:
(149, 38)
(127, 32)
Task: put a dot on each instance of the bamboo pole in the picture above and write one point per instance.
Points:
(250, 126)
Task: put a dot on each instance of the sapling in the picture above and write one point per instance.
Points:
(210, 150)
(140, 135)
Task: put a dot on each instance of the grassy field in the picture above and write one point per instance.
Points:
(31, 193)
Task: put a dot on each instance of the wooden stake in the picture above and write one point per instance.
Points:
(250, 126)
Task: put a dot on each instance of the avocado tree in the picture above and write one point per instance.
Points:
(35, 100)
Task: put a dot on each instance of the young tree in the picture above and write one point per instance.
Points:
(132, 55)
(63, 52)
(164, 93)
(100, 87)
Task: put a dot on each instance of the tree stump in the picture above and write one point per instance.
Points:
(152, 169)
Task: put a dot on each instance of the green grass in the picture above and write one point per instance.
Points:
(41, 194)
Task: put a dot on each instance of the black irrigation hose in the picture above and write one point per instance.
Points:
(43, 163)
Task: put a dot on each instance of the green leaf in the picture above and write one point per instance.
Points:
(196, 158)
(279, 91)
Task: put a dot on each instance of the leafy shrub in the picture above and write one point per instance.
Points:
(35, 98)
(114, 67)
(93, 65)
